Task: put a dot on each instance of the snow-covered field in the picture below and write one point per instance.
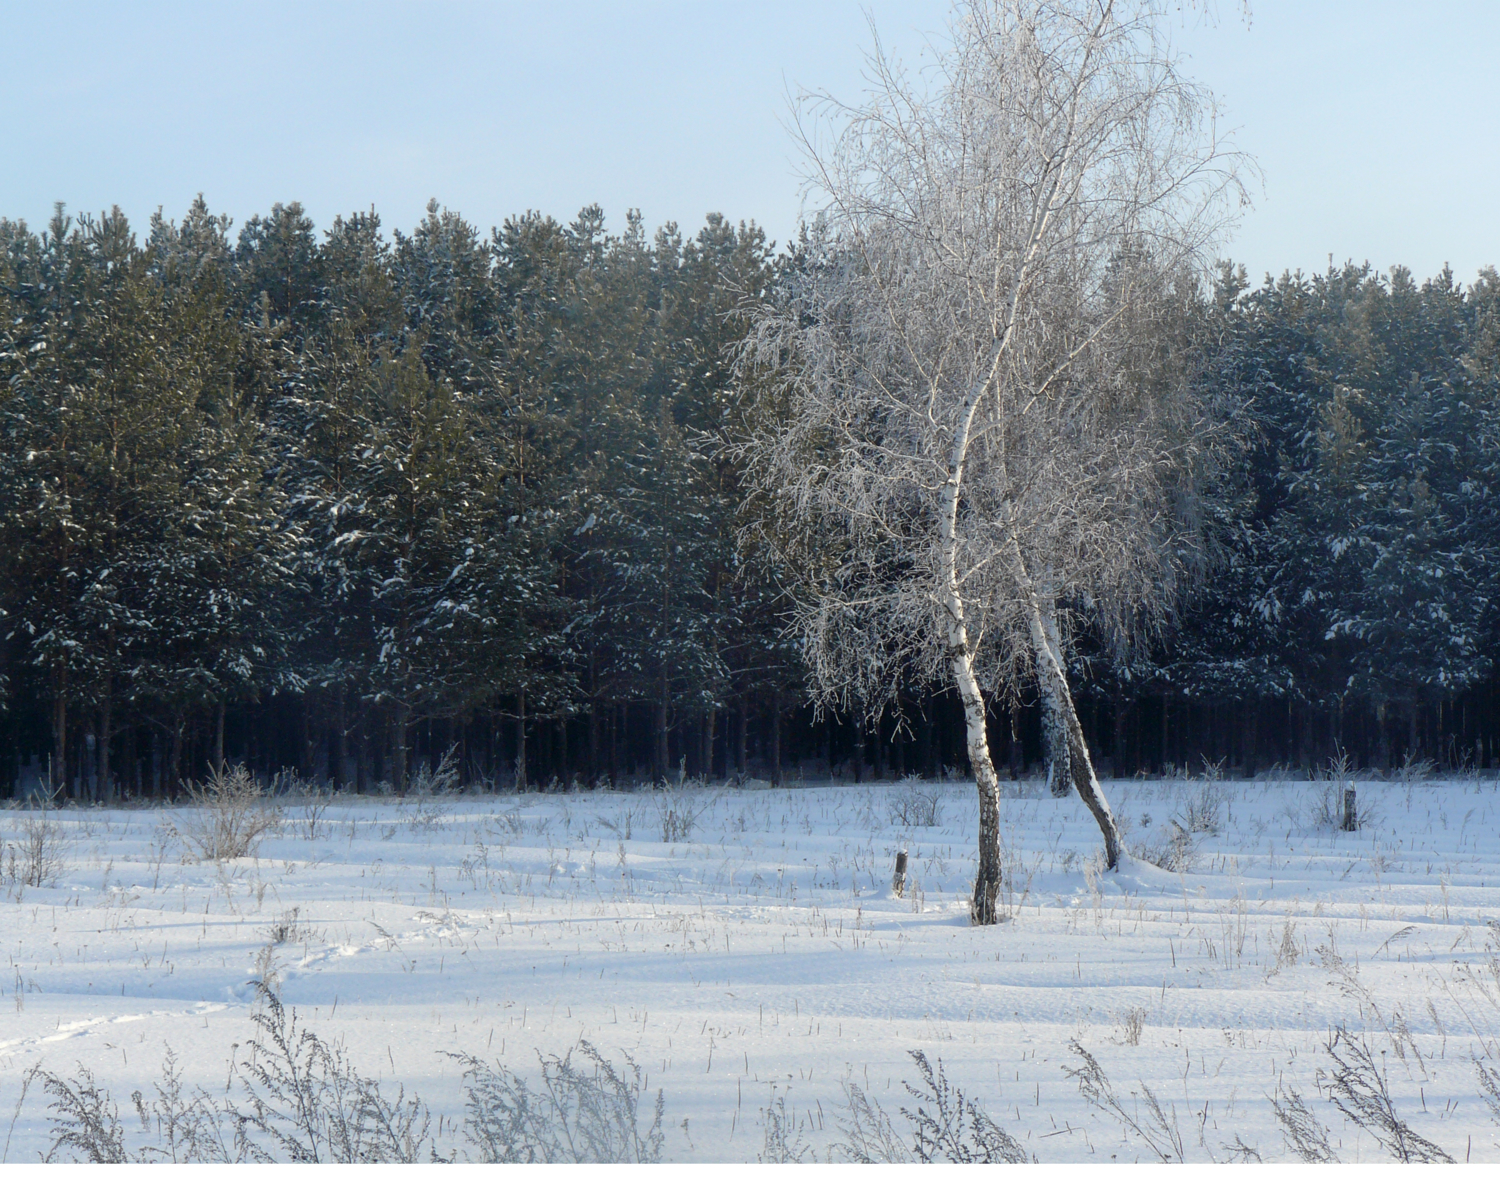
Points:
(763, 963)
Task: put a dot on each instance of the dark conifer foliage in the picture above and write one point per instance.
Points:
(1354, 602)
(342, 502)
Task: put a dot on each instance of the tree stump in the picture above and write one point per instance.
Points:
(1351, 815)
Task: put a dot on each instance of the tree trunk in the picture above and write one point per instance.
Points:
(593, 742)
(710, 731)
(1015, 758)
(741, 757)
(521, 742)
(983, 909)
(58, 768)
(306, 752)
(338, 741)
(1054, 726)
(924, 737)
(663, 746)
(776, 738)
(1166, 732)
(859, 742)
(614, 745)
(1250, 749)
(362, 767)
(103, 783)
(1050, 673)
(400, 723)
(1055, 746)
(1082, 768)
(174, 765)
(1387, 728)
(1121, 765)
(132, 773)
(218, 757)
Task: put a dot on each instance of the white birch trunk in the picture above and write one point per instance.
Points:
(1052, 677)
(982, 909)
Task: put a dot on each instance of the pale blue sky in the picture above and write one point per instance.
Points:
(1376, 124)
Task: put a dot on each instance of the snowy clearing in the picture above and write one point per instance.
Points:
(757, 966)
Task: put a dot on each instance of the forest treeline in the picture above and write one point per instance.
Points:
(346, 503)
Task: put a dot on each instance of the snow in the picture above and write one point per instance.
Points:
(766, 957)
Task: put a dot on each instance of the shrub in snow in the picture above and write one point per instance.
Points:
(1151, 1122)
(1203, 810)
(1412, 774)
(1132, 1022)
(678, 812)
(305, 1103)
(783, 1134)
(314, 802)
(86, 1123)
(227, 815)
(1489, 1088)
(578, 1114)
(1304, 1135)
(913, 806)
(947, 1126)
(309, 1105)
(426, 794)
(1322, 808)
(39, 855)
(1172, 848)
(1357, 1086)
(869, 1135)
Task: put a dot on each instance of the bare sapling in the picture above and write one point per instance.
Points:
(979, 427)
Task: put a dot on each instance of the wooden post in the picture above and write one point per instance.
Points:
(898, 881)
(1351, 815)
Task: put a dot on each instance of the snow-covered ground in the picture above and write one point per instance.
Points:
(765, 961)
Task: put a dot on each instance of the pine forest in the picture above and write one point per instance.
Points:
(349, 502)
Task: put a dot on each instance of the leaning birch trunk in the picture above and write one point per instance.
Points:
(1052, 677)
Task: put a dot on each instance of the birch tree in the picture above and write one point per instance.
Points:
(980, 429)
